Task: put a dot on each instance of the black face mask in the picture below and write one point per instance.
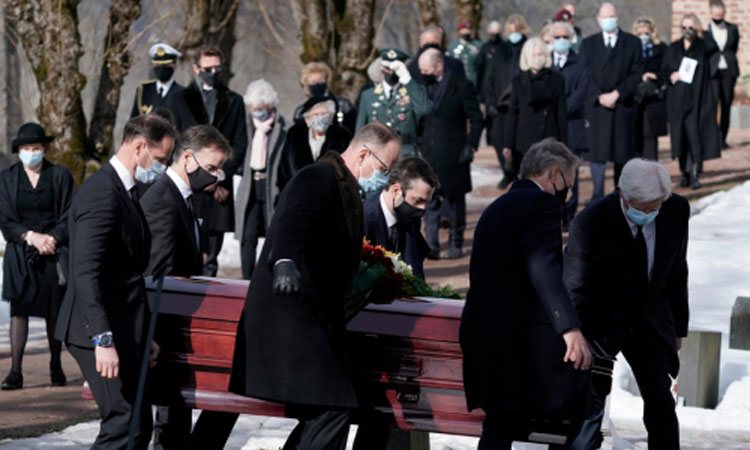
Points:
(163, 73)
(718, 21)
(466, 37)
(210, 79)
(562, 194)
(318, 89)
(429, 79)
(494, 38)
(391, 78)
(407, 214)
(200, 178)
(688, 34)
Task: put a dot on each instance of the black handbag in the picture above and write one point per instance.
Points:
(649, 90)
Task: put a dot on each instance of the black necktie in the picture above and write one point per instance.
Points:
(197, 227)
(134, 193)
(641, 251)
(393, 235)
(160, 91)
(610, 43)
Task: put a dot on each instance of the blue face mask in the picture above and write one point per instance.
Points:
(151, 174)
(374, 182)
(515, 37)
(645, 38)
(639, 217)
(30, 159)
(608, 24)
(561, 45)
(261, 116)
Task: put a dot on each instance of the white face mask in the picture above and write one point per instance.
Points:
(320, 123)
(151, 174)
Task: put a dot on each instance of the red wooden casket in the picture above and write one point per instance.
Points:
(405, 355)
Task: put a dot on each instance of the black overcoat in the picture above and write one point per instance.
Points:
(652, 113)
(296, 153)
(496, 87)
(692, 105)
(730, 51)
(577, 77)
(611, 300)
(537, 110)
(455, 121)
(611, 132)
(229, 119)
(291, 350)
(16, 276)
(516, 310)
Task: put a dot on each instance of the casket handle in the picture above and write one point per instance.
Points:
(408, 397)
(408, 370)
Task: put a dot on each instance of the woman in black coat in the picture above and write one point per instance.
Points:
(34, 199)
(537, 104)
(651, 113)
(692, 106)
(310, 138)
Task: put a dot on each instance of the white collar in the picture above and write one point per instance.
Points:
(127, 179)
(387, 88)
(390, 218)
(540, 186)
(166, 86)
(182, 186)
(612, 34)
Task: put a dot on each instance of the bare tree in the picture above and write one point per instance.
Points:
(117, 62)
(428, 13)
(339, 33)
(210, 22)
(469, 10)
(48, 31)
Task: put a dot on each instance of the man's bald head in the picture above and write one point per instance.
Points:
(429, 60)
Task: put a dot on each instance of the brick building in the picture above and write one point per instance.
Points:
(738, 12)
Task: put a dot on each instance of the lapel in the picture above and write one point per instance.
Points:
(447, 86)
(618, 45)
(187, 219)
(194, 101)
(137, 219)
(395, 96)
(12, 183)
(222, 106)
(376, 219)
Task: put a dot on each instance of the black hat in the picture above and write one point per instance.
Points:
(314, 100)
(30, 133)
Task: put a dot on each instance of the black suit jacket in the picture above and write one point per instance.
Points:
(577, 77)
(517, 308)
(174, 250)
(230, 120)
(611, 301)
(286, 345)
(109, 249)
(455, 121)
(729, 52)
(147, 99)
(611, 132)
(412, 245)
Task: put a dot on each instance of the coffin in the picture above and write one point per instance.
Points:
(405, 355)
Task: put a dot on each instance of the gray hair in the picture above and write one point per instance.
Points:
(568, 27)
(545, 154)
(530, 61)
(329, 104)
(645, 181)
(261, 92)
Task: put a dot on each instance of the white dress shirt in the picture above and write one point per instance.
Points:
(610, 37)
(127, 179)
(560, 59)
(164, 87)
(720, 34)
(390, 218)
(649, 234)
(186, 193)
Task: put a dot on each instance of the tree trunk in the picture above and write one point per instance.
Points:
(470, 10)
(428, 14)
(48, 31)
(315, 30)
(117, 61)
(354, 29)
(210, 22)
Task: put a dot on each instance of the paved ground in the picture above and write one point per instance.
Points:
(39, 408)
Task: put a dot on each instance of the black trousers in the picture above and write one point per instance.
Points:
(455, 209)
(652, 361)
(254, 228)
(690, 155)
(213, 248)
(172, 426)
(724, 87)
(116, 398)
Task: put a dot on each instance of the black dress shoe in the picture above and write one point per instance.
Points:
(503, 183)
(433, 255)
(454, 253)
(684, 181)
(13, 381)
(57, 377)
(695, 184)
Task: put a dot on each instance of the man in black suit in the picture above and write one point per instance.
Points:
(289, 346)
(450, 136)
(207, 101)
(176, 240)
(103, 318)
(616, 68)
(522, 347)
(626, 270)
(156, 93)
(434, 37)
(393, 218)
(724, 65)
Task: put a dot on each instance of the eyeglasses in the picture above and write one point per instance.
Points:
(385, 168)
(688, 28)
(212, 69)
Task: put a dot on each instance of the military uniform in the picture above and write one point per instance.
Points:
(153, 94)
(468, 53)
(400, 107)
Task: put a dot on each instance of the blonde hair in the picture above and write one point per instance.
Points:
(650, 24)
(315, 67)
(531, 62)
(519, 22)
(697, 25)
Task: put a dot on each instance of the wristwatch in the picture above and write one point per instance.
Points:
(103, 340)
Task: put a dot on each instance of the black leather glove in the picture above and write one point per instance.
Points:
(467, 155)
(286, 279)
